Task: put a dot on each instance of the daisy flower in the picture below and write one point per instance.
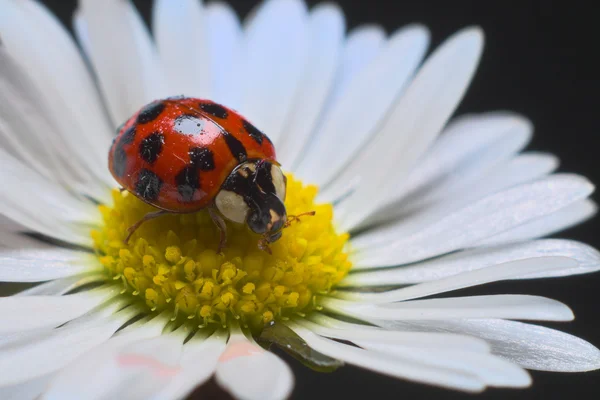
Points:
(409, 206)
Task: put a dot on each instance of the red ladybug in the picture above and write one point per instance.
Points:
(183, 154)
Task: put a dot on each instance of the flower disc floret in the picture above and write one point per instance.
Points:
(172, 262)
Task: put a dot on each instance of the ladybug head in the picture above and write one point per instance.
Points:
(254, 194)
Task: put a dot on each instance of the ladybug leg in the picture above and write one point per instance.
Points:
(263, 244)
(147, 217)
(220, 223)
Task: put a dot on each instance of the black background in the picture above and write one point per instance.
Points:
(539, 61)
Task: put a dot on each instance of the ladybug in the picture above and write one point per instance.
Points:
(183, 154)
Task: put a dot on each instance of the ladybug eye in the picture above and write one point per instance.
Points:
(279, 181)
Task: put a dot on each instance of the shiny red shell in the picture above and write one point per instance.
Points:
(176, 153)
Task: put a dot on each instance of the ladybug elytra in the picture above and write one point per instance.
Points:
(182, 155)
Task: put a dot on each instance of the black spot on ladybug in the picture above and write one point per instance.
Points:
(150, 112)
(202, 158)
(187, 181)
(151, 147)
(120, 157)
(214, 109)
(189, 125)
(128, 136)
(148, 185)
(119, 162)
(253, 132)
(236, 147)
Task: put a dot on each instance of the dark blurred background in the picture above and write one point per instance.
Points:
(539, 61)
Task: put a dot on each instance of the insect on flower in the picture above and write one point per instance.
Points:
(183, 155)
(411, 207)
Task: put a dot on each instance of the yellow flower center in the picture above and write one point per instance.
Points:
(172, 263)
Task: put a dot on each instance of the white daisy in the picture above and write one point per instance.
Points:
(431, 207)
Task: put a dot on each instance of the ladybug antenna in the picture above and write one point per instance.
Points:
(296, 218)
(266, 239)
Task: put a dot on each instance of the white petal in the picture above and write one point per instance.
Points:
(493, 174)
(20, 314)
(363, 45)
(462, 143)
(414, 123)
(24, 214)
(19, 243)
(19, 97)
(97, 373)
(30, 127)
(47, 51)
(152, 362)
(336, 329)
(181, 37)
(466, 186)
(504, 271)
(22, 181)
(276, 45)
(531, 346)
(22, 360)
(92, 134)
(13, 237)
(452, 351)
(352, 120)
(474, 172)
(226, 62)
(523, 168)
(326, 26)
(249, 372)
(198, 363)
(77, 84)
(42, 206)
(553, 223)
(29, 390)
(495, 306)
(38, 265)
(80, 30)
(123, 56)
(588, 260)
(400, 367)
(492, 370)
(61, 286)
(9, 227)
(485, 218)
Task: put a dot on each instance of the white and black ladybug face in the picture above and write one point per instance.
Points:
(254, 193)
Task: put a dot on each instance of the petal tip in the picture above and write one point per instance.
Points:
(330, 12)
(328, 7)
(371, 30)
(473, 37)
(419, 30)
